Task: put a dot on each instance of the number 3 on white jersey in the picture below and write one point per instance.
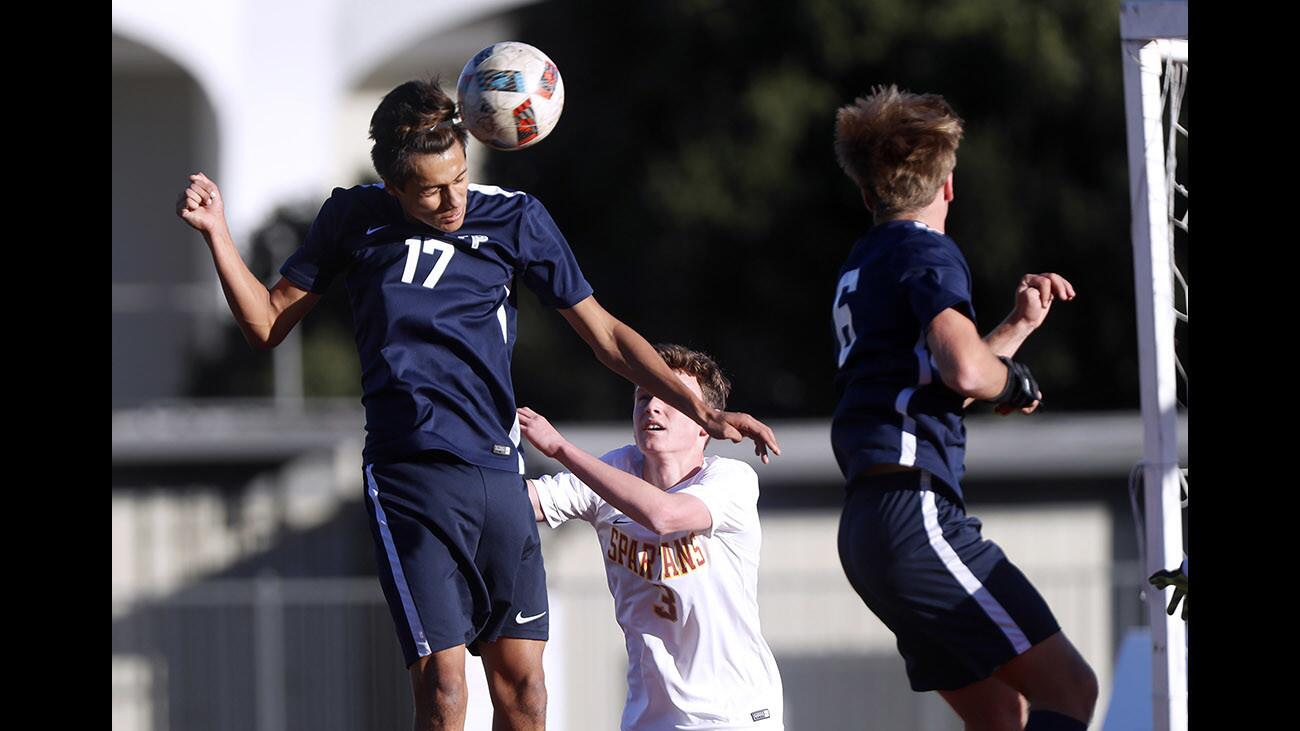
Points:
(444, 250)
(843, 315)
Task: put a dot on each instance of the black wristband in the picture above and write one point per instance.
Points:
(1021, 389)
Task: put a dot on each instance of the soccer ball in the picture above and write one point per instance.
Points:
(510, 95)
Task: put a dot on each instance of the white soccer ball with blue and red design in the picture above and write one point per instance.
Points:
(510, 95)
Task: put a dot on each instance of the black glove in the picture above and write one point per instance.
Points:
(1021, 389)
(1163, 579)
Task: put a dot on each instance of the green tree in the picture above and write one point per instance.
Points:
(693, 174)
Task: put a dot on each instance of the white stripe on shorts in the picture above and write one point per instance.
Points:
(991, 606)
(399, 577)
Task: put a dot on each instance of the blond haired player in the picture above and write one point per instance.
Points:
(680, 537)
(968, 622)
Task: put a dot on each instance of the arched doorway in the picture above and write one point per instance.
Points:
(163, 127)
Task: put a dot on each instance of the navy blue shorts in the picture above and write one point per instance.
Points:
(959, 608)
(458, 553)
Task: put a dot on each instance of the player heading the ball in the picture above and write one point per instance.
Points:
(680, 537)
(430, 263)
(968, 622)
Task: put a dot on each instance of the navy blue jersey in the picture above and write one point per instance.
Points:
(893, 408)
(434, 313)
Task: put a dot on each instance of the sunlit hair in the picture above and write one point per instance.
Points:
(715, 386)
(416, 118)
(899, 147)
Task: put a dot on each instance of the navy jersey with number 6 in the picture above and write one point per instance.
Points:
(434, 313)
(892, 406)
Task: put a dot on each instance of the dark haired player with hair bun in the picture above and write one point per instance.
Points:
(969, 624)
(430, 263)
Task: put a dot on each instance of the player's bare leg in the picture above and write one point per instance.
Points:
(1050, 676)
(438, 683)
(989, 705)
(516, 682)
(1054, 677)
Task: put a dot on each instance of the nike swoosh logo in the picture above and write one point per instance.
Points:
(376, 228)
(622, 520)
(521, 619)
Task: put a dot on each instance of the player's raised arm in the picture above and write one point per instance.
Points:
(625, 352)
(661, 512)
(264, 316)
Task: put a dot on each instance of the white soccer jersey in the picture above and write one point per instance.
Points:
(687, 602)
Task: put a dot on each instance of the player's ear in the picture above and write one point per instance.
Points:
(866, 201)
(391, 189)
(948, 187)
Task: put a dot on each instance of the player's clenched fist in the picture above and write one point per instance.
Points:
(1035, 294)
(200, 204)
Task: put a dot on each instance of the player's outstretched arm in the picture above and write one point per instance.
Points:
(1034, 297)
(660, 511)
(264, 316)
(625, 352)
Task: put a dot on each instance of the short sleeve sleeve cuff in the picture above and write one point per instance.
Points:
(313, 265)
(730, 492)
(550, 269)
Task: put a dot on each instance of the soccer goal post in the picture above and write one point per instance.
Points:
(1154, 39)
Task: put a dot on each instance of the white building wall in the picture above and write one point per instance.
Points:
(279, 75)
